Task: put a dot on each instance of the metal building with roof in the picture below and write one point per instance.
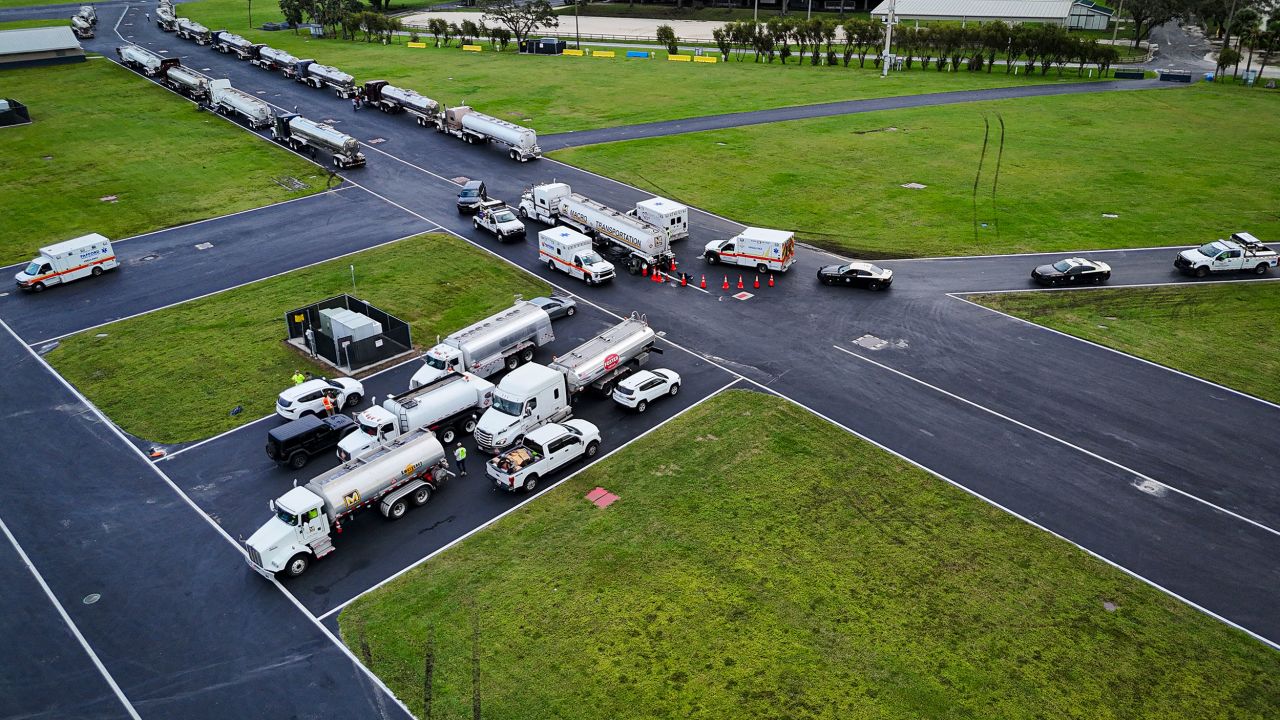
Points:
(39, 46)
(1069, 13)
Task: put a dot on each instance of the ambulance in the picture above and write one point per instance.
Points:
(67, 261)
(765, 250)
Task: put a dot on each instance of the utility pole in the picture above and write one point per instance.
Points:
(755, 16)
(250, 14)
(1115, 29)
(808, 15)
(1226, 40)
(888, 37)
(577, 35)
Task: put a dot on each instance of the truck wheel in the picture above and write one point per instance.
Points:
(469, 426)
(592, 449)
(530, 483)
(97, 270)
(38, 287)
(352, 400)
(551, 265)
(298, 460)
(523, 215)
(475, 223)
(642, 406)
(762, 269)
(512, 362)
(1261, 269)
(1202, 271)
(297, 565)
(421, 496)
(397, 509)
(526, 355)
(447, 435)
(513, 155)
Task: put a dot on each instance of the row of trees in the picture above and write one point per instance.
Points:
(466, 31)
(347, 19)
(944, 46)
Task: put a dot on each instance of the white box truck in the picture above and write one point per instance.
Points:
(640, 242)
(765, 250)
(449, 407)
(534, 395)
(666, 214)
(403, 472)
(483, 348)
(66, 261)
(572, 253)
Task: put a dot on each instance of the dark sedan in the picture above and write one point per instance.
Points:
(1072, 271)
(557, 306)
(856, 274)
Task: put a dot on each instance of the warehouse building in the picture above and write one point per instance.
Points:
(39, 46)
(1074, 14)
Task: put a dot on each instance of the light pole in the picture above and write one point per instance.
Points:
(755, 15)
(888, 37)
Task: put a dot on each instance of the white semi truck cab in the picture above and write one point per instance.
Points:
(528, 397)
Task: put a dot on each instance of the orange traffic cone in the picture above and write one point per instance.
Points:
(673, 264)
(657, 274)
(757, 285)
(726, 282)
(703, 285)
(684, 280)
(739, 282)
(644, 270)
(770, 279)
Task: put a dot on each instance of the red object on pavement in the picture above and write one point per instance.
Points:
(644, 271)
(770, 279)
(726, 282)
(704, 282)
(757, 285)
(739, 282)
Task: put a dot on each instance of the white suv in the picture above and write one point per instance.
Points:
(543, 451)
(308, 398)
(642, 388)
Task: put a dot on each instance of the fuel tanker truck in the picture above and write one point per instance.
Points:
(502, 340)
(403, 472)
(641, 243)
(144, 61)
(232, 102)
(89, 14)
(392, 99)
(270, 58)
(310, 72)
(473, 127)
(300, 133)
(187, 82)
(534, 395)
(166, 18)
(82, 28)
(193, 31)
(231, 44)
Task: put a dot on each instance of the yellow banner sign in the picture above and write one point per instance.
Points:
(472, 48)
(705, 58)
(574, 53)
(416, 45)
(603, 53)
(680, 58)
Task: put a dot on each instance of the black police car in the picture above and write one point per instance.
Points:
(1072, 271)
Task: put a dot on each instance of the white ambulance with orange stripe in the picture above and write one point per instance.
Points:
(67, 261)
(571, 252)
(765, 250)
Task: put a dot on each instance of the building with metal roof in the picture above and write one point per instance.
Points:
(39, 46)
(1070, 13)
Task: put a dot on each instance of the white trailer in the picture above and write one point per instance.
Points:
(505, 339)
(403, 472)
(302, 134)
(449, 407)
(270, 58)
(187, 82)
(392, 99)
(641, 243)
(232, 44)
(310, 72)
(473, 127)
(82, 28)
(666, 214)
(166, 18)
(194, 31)
(69, 260)
(572, 253)
(765, 250)
(144, 61)
(230, 101)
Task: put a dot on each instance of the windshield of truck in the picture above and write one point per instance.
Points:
(1210, 249)
(507, 406)
(287, 517)
(33, 269)
(369, 429)
(435, 362)
(504, 216)
(590, 258)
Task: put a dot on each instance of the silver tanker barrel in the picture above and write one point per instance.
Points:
(301, 133)
(617, 351)
(227, 42)
(522, 141)
(414, 102)
(82, 28)
(270, 58)
(228, 100)
(318, 75)
(89, 14)
(166, 18)
(187, 82)
(144, 60)
(194, 31)
(344, 488)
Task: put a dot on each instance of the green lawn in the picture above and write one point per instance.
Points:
(763, 564)
(555, 94)
(32, 3)
(199, 360)
(164, 162)
(1167, 325)
(23, 24)
(1177, 166)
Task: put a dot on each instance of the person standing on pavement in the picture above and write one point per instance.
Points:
(328, 405)
(460, 457)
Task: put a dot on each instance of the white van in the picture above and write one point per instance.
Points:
(67, 261)
(528, 397)
(571, 252)
(666, 214)
(765, 250)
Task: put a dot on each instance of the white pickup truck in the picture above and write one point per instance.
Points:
(1242, 253)
(497, 218)
(544, 451)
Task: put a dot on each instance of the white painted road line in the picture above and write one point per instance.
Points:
(1061, 441)
(521, 504)
(115, 688)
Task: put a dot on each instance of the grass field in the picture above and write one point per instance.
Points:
(32, 3)
(762, 564)
(164, 163)
(556, 94)
(1164, 161)
(23, 24)
(1169, 325)
(194, 375)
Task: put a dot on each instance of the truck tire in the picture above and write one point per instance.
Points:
(1202, 271)
(297, 565)
(523, 215)
(298, 459)
(447, 435)
(397, 509)
(526, 355)
(633, 266)
(469, 426)
(530, 483)
(592, 449)
(421, 496)
(1261, 269)
(512, 362)
(513, 155)
(97, 270)
(713, 258)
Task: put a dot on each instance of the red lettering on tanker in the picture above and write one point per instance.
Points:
(611, 362)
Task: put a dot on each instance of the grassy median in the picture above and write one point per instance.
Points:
(1221, 332)
(762, 563)
(1174, 166)
(557, 94)
(174, 375)
(109, 152)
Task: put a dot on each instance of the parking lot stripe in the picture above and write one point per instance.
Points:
(519, 505)
(70, 623)
(1059, 440)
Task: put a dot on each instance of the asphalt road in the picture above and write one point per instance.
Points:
(1121, 469)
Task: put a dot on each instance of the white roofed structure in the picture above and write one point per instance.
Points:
(1057, 12)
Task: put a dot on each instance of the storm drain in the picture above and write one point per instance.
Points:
(148, 258)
